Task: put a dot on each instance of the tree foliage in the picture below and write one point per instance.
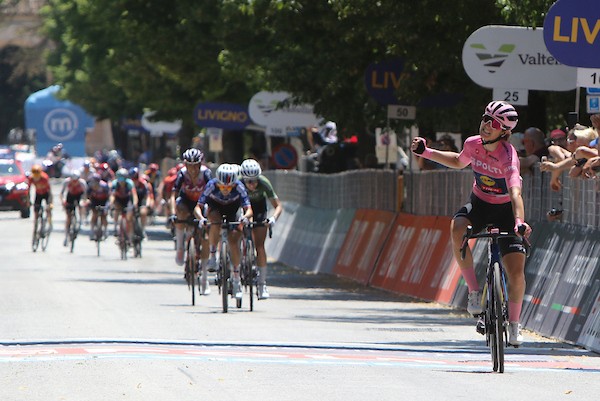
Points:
(118, 57)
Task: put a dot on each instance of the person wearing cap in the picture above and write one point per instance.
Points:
(43, 192)
(74, 187)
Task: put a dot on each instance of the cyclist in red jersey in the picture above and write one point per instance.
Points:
(188, 187)
(165, 189)
(496, 199)
(43, 191)
(145, 196)
(106, 174)
(98, 194)
(74, 187)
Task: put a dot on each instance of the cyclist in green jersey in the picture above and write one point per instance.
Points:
(259, 189)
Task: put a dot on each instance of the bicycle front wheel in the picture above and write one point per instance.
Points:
(225, 282)
(98, 232)
(190, 268)
(123, 238)
(497, 319)
(250, 271)
(73, 230)
(38, 227)
(44, 233)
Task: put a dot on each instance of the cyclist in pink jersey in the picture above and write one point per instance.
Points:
(496, 199)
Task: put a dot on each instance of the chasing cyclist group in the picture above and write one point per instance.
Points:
(189, 191)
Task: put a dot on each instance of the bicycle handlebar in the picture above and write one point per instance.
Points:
(493, 233)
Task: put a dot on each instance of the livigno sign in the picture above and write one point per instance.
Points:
(572, 32)
(221, 115)
(514, 57)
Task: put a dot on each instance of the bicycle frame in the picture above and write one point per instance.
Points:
(192, 258)
(98, 228)
(495, 293)
(223, 280)
(39, 230)
(122, 241)
(73, 228)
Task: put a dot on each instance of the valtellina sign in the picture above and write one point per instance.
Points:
(572, 32)
(514, 57)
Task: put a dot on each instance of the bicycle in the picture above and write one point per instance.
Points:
(98, 229)
(493, 322)
(248, 271)
(121, 231)
(74, 226)
(223, 274)
(192, 262)
(40, 233)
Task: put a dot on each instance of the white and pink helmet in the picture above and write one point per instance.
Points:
(504, 112)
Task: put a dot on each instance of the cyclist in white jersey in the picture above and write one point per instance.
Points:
(496, 199)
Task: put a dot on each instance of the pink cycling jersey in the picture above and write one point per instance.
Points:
(495, 172)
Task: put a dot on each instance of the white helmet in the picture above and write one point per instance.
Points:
(227, 173)
(504, 112)
(250, 168)
(193, 156)
(75, 175)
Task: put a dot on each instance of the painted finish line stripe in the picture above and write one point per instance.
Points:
(439, 360)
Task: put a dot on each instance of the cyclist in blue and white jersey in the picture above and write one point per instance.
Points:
(225, 195)
(259, 190)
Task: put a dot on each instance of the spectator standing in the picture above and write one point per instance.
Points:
(535, 148)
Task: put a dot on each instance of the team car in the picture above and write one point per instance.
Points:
(14, 188)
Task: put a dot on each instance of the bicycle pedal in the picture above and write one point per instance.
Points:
(480, 327)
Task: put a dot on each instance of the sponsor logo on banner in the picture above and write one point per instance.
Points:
(572, 32)
(61, 125)
(383, 80)
(221, 115)
(280, 109)
(514, 57)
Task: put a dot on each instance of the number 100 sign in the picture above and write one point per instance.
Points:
(588, 77)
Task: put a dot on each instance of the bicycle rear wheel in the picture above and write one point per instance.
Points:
(123, 238)
(137, 238)
(99, 234)
(190, 268)
(225, 282)
(73, 228)
(497, 327)
(250, 272)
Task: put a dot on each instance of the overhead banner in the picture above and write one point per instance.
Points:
(514, 57)
(572, 32)
(222, 115)
(278, 109)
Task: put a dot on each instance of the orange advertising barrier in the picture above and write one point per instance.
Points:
(417, 259)
(363, 243)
